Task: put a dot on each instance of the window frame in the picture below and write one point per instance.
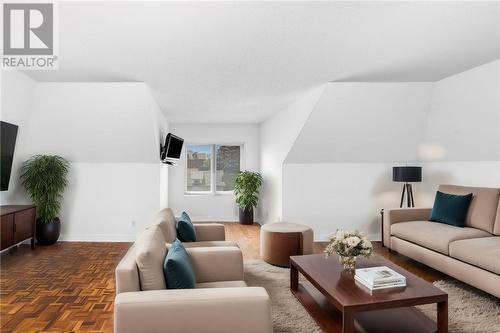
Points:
(213, 168)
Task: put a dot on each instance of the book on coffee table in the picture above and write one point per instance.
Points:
(381, 277)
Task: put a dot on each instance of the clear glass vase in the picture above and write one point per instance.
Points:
(349, 263)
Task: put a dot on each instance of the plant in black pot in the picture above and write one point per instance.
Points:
(44, 178)
(246, 189)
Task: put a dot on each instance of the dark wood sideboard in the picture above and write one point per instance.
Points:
(17, 224)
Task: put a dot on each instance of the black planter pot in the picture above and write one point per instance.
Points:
(48, 233)
(246, 216)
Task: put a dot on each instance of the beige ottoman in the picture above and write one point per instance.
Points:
(279, 241)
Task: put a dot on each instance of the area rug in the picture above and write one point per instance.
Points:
(469, 310)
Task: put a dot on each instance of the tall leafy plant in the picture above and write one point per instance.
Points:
(44, 178)
(246, 189)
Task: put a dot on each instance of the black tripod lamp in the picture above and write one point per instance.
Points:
(407, 175)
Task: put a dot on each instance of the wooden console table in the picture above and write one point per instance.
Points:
(17, 224)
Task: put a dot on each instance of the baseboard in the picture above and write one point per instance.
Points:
(218, 219)
(214, 218)
(324, 237)
(98, 238)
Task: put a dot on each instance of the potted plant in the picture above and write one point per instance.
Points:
(246, 189)
(44, 178)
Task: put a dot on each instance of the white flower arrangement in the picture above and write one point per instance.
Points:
(349, 244)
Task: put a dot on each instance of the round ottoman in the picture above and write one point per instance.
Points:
(279, 241)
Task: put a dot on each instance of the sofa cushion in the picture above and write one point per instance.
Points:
(221, 284)
(165, 219)
(185, 229)
(208, 231)
(481, 252)
(210, 244)
(177, 268)
(434, 236)
(483, 207)
(450, 208)
(150, 251)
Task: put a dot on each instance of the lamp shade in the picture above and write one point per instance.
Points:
(407, 174)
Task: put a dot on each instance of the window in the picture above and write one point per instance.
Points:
(199, 168)
(212, 168)
(227, 167)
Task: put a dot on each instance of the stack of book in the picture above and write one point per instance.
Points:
(376, 278)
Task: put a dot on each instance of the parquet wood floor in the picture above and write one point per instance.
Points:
(69, 287)
(66, 287)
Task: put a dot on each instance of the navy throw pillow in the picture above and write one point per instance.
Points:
(450, 208)
(185, 229)
(177, 268)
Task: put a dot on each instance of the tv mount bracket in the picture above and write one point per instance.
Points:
(169, 162)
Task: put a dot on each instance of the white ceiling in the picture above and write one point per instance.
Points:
(243, 61)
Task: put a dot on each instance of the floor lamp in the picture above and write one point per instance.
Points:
(407, 175)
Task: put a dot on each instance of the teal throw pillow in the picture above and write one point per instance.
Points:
(185, 229)
(450, 208)
(177, 268)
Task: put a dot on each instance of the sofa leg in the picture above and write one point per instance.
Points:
(392, 251)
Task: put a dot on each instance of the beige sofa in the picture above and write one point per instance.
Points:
(221, 301)
(470, 254)
(207, 234)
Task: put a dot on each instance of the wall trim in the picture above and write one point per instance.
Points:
(98, 238)
(112, 238)
(224, 219)
(214, 218)
(324, 237)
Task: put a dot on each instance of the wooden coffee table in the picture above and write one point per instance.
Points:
(340, 304)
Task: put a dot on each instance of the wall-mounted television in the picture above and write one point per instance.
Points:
(172, 148)
(8, 134)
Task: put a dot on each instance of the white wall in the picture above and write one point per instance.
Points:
(350, 195)
(462, 142)
(464, 117)
(277, 135)
(330, 196)
(211, 207)
(109, 201)
(110, 133)
(17, 91)
(452, 130)
(338, 172)
(160, 127)
(473, 173)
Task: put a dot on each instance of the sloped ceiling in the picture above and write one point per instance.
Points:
(94, 123)
(244, 61)
(364, 123)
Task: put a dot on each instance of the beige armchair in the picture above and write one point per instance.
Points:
(207, 234)
(221, 301)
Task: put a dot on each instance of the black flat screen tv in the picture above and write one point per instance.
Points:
(8, 134)
(172, 148)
